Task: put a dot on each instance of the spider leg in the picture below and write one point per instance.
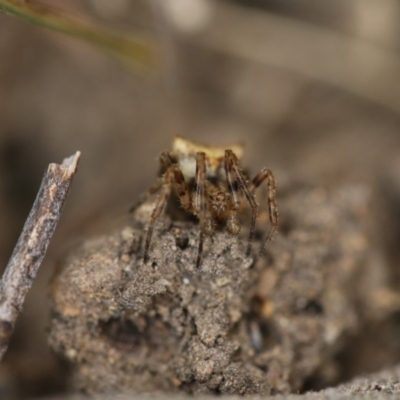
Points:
(179, 183)
(160, 204)
(199, 202)
(172, 177)
(266, 174)
(144, 197)
(166, 162)
(233, 224)
(237, 180)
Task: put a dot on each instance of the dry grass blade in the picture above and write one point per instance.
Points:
(137, 51)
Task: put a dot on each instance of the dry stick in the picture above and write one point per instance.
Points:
(32, 244)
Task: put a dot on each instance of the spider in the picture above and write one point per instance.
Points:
(210, 185)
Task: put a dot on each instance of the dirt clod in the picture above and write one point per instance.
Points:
(230, 326)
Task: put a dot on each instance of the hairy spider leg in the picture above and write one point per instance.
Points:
(233, 167)
(233, 186)
(166, 162)
(199, 201)
(161, 201)
(180, 185)
(144, 197)
(172, 177)
(265, 173)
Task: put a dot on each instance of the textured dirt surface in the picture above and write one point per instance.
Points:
(381, 386)
(231, 326)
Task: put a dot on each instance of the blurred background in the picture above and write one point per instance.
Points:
(311, 87)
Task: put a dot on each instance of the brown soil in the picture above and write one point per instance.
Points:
(231, 326)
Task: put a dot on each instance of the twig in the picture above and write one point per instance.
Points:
(32, 244)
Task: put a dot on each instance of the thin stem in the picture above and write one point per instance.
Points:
(135, 50)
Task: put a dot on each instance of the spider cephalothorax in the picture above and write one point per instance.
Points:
(210, 185)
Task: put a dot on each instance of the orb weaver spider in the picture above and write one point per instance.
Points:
(210, 185)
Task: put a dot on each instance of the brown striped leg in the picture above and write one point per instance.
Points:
(173, 176)
(144, 197)
(161, 202)
(166, 162)
(177, 180)
(199, 202)
(266, 174)
(240, 182)
(232, 224)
